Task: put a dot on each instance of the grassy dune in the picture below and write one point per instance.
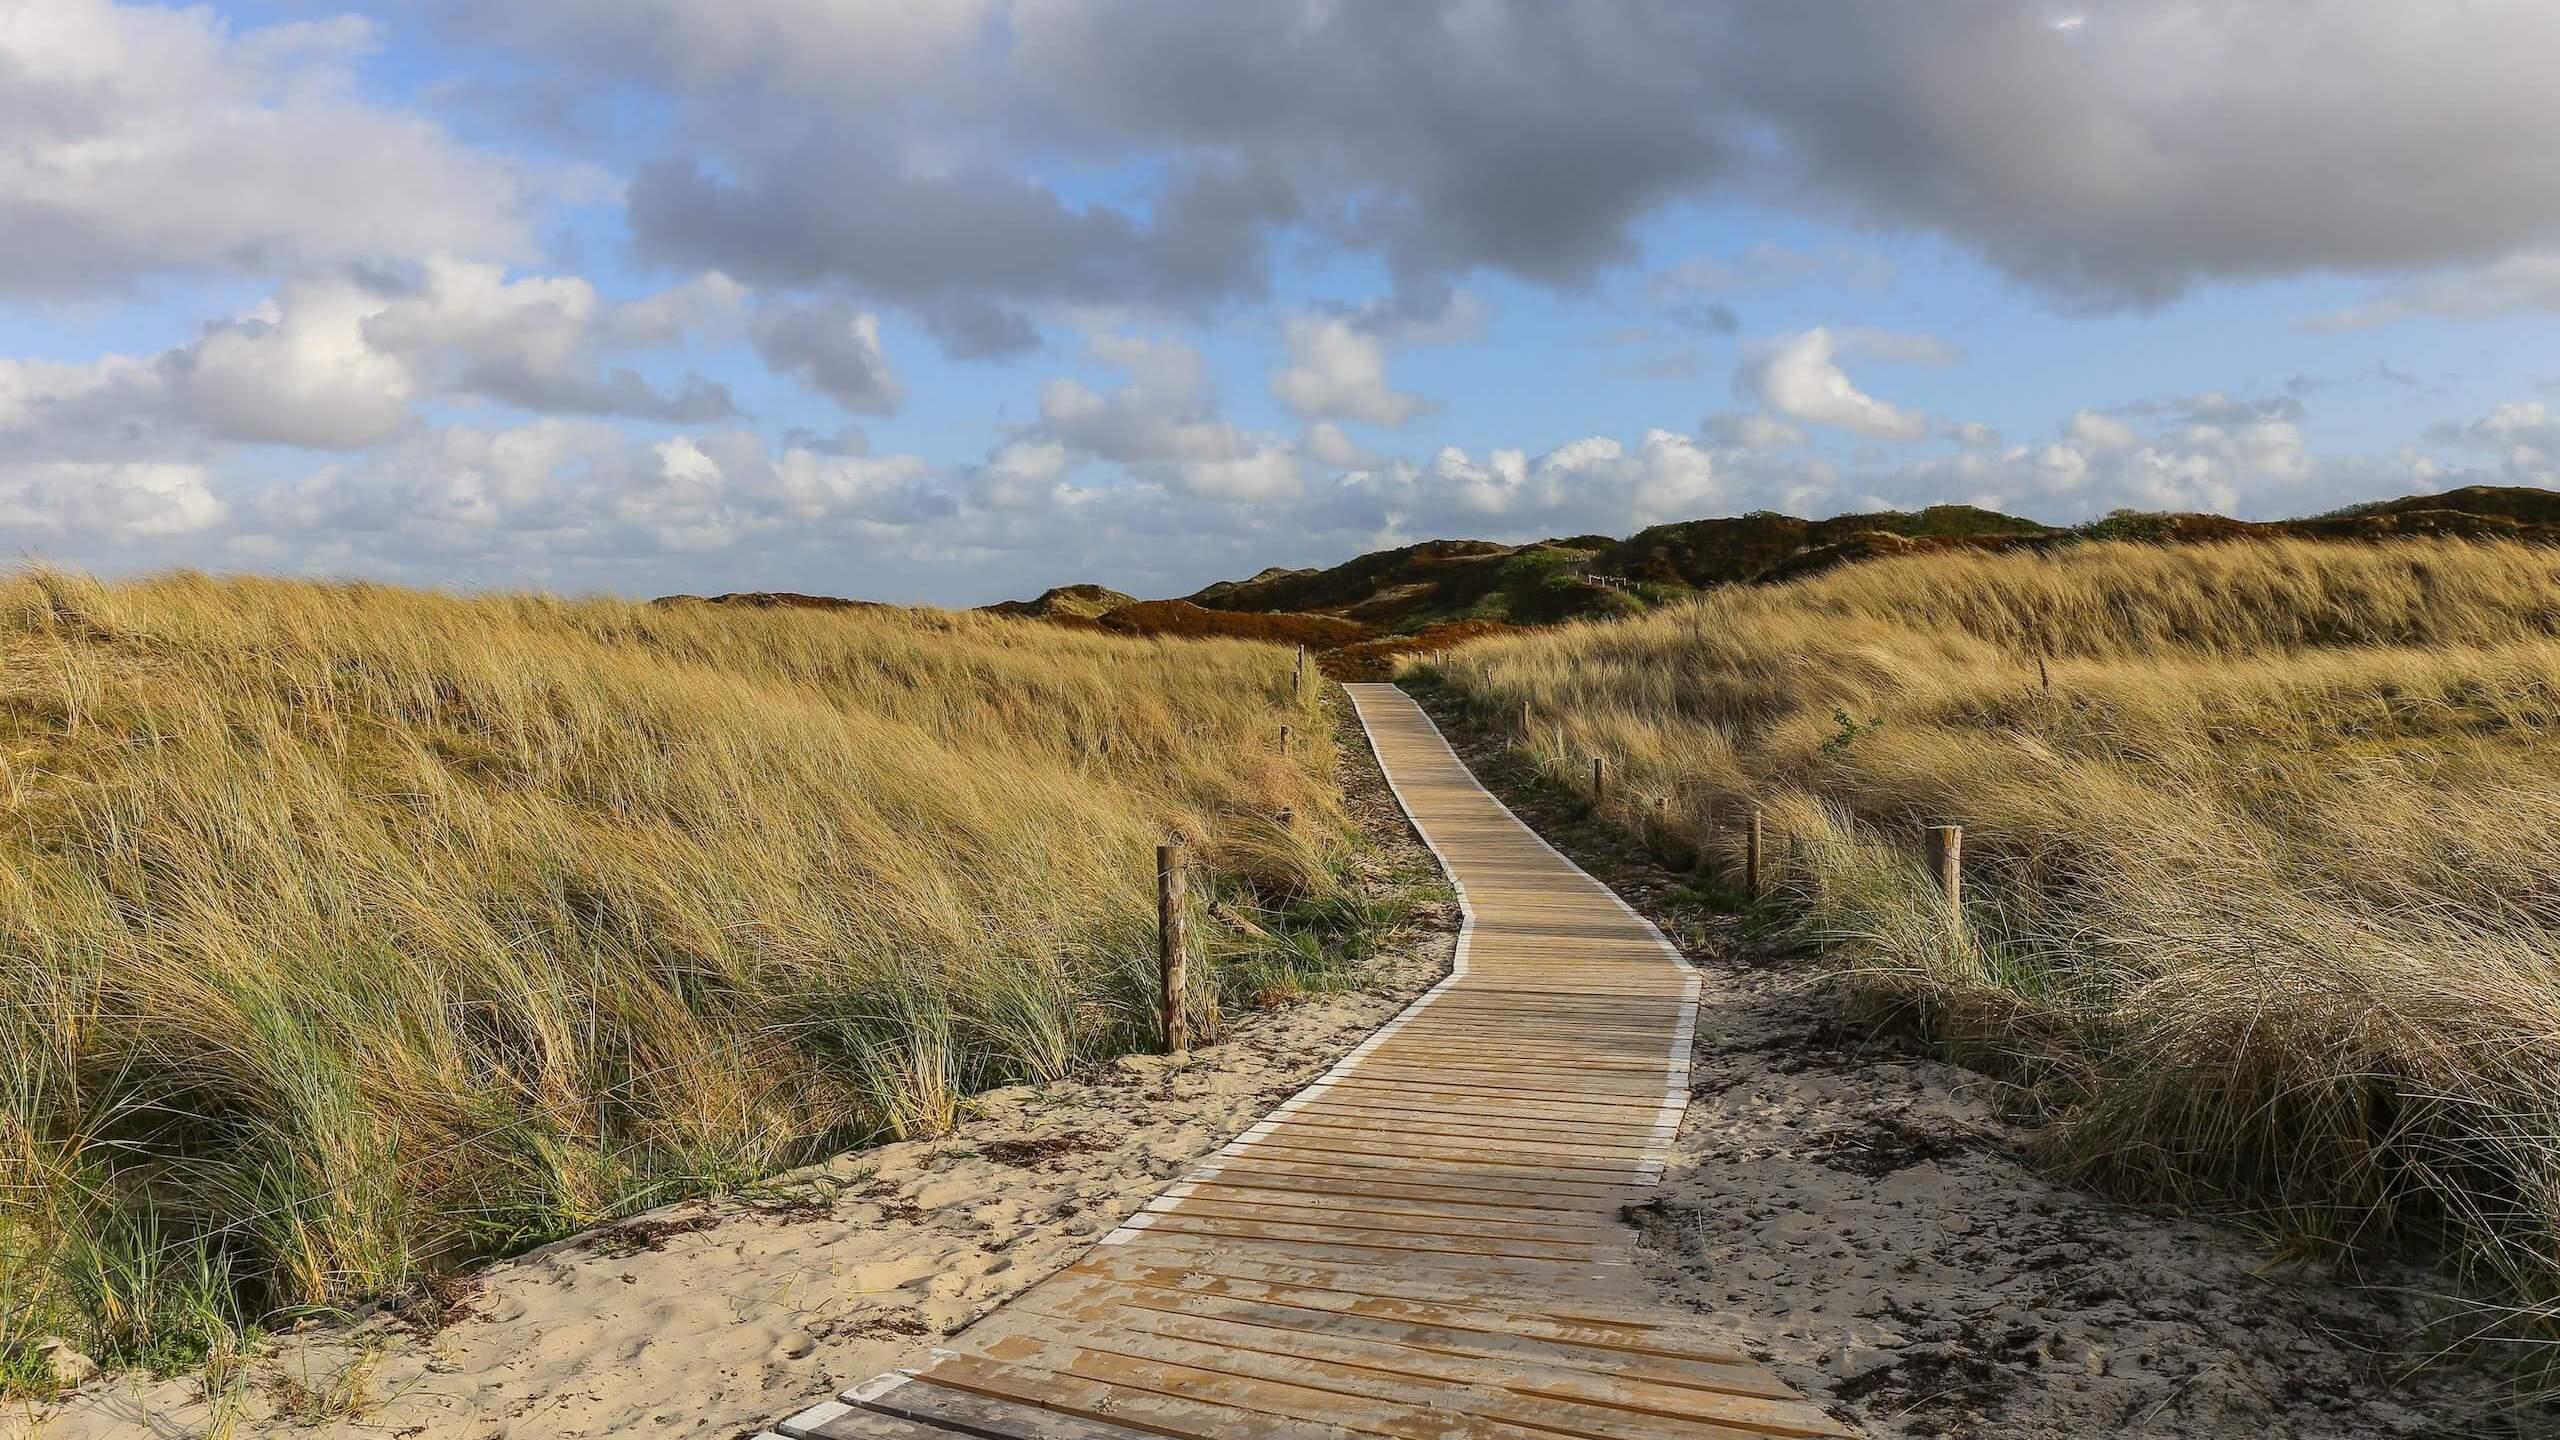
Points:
(2263, 843)
(349, 933)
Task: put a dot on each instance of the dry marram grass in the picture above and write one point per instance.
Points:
(348, 933)
(2262, 842)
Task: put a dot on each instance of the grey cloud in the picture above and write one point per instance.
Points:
(1706, 317)
(618, 391)
(1772, 266)
(2212, 407)
(820, 50)
(1166, 426)
(976, 330)
(2379, 372)
(2527, 281)
(834, 350)
(2157, 143)
(834, 210)
(2113, 162)
(1519, 137)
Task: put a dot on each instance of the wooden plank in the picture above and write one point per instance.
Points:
(1244, 1168)
(1226, 1192)
(1599, 1312)
(1335, 1348)
(1507, 1277)
(1342, 1236)
(1410, 1295)
(851, 1422)
(1154, 1405)
(1480, 1333)
(1391, 1152)
(1355, 1166)
(1557, 1144)
(1354, 1395)
(1365, 1105)
(951, 1414)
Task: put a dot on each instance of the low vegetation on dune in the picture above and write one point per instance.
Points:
(2261, 846)
(349, 933)
(1182, 618)
(1388, 603)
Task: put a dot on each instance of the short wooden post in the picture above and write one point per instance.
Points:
(1524, 719)
(1662, 825)
(1285, 733)
(1946, 865)
(1599, 780)
(1173, 947)
(1751, 856)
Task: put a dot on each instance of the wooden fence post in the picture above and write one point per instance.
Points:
(1284, 739)
(1173, 947)
(1599, 781)
(1751, 856)
(1946, 865)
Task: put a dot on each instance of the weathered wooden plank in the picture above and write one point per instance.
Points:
(1343, 1236)
(851, 1422)
(1506, 1276)
(1352, 1390)
(1414, 1294)
(1317, 1120)
(1591, 1302)
(1479, 1333)
(1356, 1166)
(1154, 1404)
(1335, 1347)
(1353, 1219)
(1509, 1219)
(949, 1414)
(1243, 1168)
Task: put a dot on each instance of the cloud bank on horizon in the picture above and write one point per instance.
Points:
(947, 302)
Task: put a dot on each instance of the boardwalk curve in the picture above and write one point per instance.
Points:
(1426, 1242)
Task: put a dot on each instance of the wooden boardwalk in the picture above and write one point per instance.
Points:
(1423, 1244)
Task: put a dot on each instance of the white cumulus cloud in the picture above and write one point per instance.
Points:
(144, 139)
(1338, 371)
(1799, 376)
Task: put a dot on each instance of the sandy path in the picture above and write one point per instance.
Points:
(707, 1319)
(1866, 1218)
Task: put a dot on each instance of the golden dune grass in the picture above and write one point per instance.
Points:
(2262, 840)
(347, 932)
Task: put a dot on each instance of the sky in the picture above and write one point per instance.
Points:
(951, 302)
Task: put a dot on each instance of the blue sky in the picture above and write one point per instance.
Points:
(957, 302)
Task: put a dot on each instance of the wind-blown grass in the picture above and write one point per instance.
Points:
(2262, 841)
(350, 933)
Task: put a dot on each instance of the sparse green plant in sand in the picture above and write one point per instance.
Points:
(350, 933)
